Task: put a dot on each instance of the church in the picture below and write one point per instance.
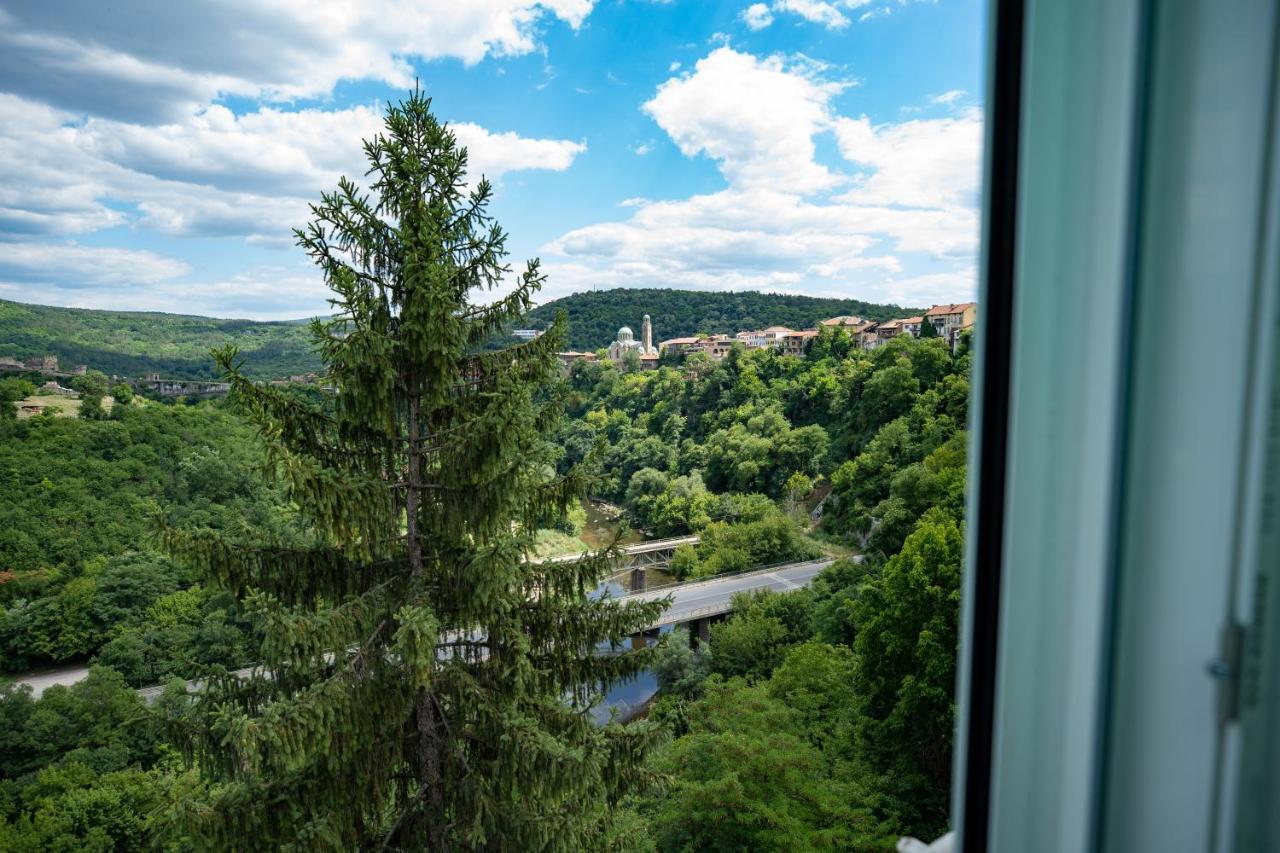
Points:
(627, 342)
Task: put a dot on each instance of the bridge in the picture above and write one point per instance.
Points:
(179, 387)
(694, 604)
(639, 557)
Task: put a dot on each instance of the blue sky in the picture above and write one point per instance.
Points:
(157, 159)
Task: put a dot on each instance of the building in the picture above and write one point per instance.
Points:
(527, 334)
(846, 321)
(679, 345)
(950, 319)
(44, 363)
(52, 387)
(626, 342)
(568, 358)
(911, 325)
(796, 343)
(774, 335)
(715, 346)
(887, 331)
(867, 336)
(8, 362)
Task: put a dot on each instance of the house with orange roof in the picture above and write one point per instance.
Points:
(951, 318)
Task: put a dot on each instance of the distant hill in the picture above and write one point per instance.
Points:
(595, 317)
(134, 343)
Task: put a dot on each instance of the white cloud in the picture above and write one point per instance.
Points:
(825, 13)
(673, 67)
(881, 12)
(84, 266)
(903, 226)
(81, 276)
(53, 193)
(642, 149)
(495, 154)
(814, 11)
(213, 174)
(948, 98)
(755, 117)
(140, 61)
(756, 16)
(922, 163)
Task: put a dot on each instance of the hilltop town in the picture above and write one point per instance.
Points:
(950, 322)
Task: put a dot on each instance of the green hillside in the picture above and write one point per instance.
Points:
(595, 317)
(134, 343)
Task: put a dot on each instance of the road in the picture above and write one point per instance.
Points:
(712, 596)
(688, 601)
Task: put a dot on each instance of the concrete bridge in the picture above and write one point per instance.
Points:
(179, 387)
(694, 604)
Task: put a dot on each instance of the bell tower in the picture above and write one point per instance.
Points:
(646, 335)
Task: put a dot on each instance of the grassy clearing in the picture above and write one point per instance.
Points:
(70, 406)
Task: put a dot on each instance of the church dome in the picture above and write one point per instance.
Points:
(625, 334)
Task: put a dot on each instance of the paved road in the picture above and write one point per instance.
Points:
(688, 601)
(712, 597)
(42, 681)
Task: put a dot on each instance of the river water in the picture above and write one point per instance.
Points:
(624, 700)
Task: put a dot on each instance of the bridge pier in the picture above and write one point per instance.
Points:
(700, 630)
(637, 579)
(641, 640)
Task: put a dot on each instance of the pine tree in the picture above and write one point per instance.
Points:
(423, 683)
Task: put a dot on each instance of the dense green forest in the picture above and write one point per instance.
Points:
(79, 573)
(819, 719)
(596, 316)
(814, 720)
(130, 343)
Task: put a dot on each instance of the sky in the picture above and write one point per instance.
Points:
(158, 156)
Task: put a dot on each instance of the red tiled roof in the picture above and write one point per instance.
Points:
(952, 308)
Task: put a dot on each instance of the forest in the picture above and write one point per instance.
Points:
(818, 719)
(131, 343)
(815, 720)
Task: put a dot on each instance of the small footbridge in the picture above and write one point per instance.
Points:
(639, 558)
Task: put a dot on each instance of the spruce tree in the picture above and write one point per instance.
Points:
(424, 683)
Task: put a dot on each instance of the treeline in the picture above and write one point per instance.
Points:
(130, 343)
(596, 316)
